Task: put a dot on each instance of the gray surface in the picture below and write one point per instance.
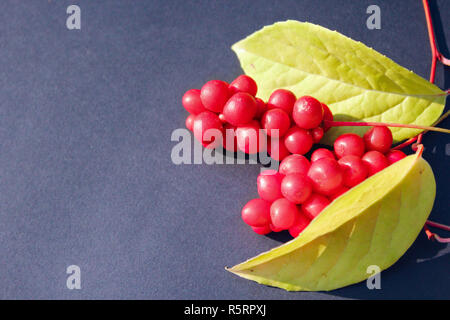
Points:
(85, 171)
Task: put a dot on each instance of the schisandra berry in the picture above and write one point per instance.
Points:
(296, 187)
(295, 163)
(378, 139)
(214, 94)
(207, 124)
(322, 153)
(349, 144)
(244, 83)
(239, 109)
(262, 230)
(314, 205)
(316, 134)
(277, 150)
(299, 225)
(229, 139)
(261, 108)
(283, 213)
(256, 213)
(307, 112)
(276, 122)
(375, 161)
(353, 169)
(283, 99)
(190, 122)
(250, 139)
(192, 102)
(269, 185)
(275, 229)
(298, 140)
(326, 176)
(394, 156)
(338, 193)
(327, 115)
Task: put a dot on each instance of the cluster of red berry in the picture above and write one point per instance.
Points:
(301, 189)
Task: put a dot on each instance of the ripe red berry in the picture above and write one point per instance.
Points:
(295, 163)
(276, 149)
(299, 225)
(375, 161)
(314, 205)
(394, 156)
(283, 99)
(307, 112)
(240, 109)
(316, 134)
(283, 213)
(338, 193)
(214, 94)
(296, 187)
(262, 230)
(322, 153)
(190, 122)
(349, 144)
(244, 83)
(326, 176)
(269, 185)
(327, 115)
(353, 169)
(250, 138)
(192, 102)
(276, 122)
(261, 108)
(229, 139)
(298, 140)
(256, 213)
(207, 127)
(275, 229)
(378, 139)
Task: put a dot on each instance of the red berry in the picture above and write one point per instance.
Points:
(240, 109)
(349, 144)
(222, 118)
(375, 161)
(192, 102)
(190, 122)
(261, 108)
(214, 94)
(378, 139)
(294, 163)
(283, 99)
(262, 230)
(277, 150)
(296, 187)
(326, 176)
(276, 122)
(394, 156)
(229, 139)
(269, 185)
(283, 213)
(299, 225)
(275, 229)
(244, 83)
(298, 140)
(256, 213)
(250, 138)
(322, 153)
(307, 112)
(205, 126)
(327, 115)
(353, 169)
(316, 134)
(314, 205)
(338, 193)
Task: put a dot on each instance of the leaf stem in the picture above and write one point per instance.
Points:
(373, 124)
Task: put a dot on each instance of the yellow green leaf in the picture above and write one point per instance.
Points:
(355, 81)
(373, 223)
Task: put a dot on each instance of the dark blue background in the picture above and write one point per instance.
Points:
(86, 176)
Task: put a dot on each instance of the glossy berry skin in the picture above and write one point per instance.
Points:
(322, 153)
(299, 225)
(338, 193)
(240, 109)
(349, 144)
(316, 134)
(378, 139)
(307, 112)
(375, 161)
(214, 94)
(276, 122)
(244, 83)
(261, 108)
(262, 230)
(192, 103)
(327, 115)
(298, 140)
(353, 169)
(190, 122)
(250, 138)
(256, 213)
(296, 187)
(326, 176)
(282, 99)
(269, 185)
(283, 213)
(294, 163)
(229, 137)
(314, 205)
(275, 229)
(277, 150)
(394, 156)
(204, 124)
